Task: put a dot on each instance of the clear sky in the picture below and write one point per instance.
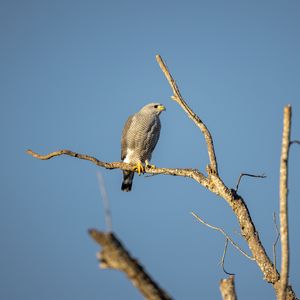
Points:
(73, 71)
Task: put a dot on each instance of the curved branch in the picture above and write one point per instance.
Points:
(249, 175)
(178, 98)
(223, 258)
(191, 173)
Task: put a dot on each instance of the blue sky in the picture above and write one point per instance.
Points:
(73, 71)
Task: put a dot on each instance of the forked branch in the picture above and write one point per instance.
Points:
(212, 182)
(178, 98)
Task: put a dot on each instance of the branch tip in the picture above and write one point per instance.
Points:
(249, 175)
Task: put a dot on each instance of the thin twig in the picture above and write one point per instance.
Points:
(225, 234)
(275, 243)
(284, 230)
(249, 175)
(105, 200)
(223, 258)
(178, 98)
(295, 142)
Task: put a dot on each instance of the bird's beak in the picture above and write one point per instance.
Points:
(161, 108)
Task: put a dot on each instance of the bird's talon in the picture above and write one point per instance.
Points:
(148, 165)
(139, 168)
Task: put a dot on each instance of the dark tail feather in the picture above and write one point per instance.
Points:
(127, 181)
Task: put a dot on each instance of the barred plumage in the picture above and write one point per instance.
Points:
(139, 138)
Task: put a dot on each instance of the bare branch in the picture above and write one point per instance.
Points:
(235, 201)
(212, 182)
(223, 258)
(217, 186)
(249, 175)
(115, 256)
(225, 234)
(284, 230)
(105, 200)
(227, 288)
(178, 98)
(295, 142)
(276, 241)
(191, 173)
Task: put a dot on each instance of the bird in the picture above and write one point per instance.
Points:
(139, 138)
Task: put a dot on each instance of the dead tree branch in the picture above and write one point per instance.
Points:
(191, 173)
(227, 288)
(225, 234)
(249, 175)
(212, 182)
(178, 98)
(235, 201)
(115, 256)
(283, 188)
(223, 258)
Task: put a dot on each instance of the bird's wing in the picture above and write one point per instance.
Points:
(124, 138)
(156, 135)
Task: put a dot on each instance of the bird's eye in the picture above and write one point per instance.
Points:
(155, 106)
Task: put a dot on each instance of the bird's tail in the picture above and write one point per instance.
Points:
(127, 181)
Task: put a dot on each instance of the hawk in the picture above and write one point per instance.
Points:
(139, 138)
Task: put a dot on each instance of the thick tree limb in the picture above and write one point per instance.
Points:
(227, 288)
(115, 256)
(283, 186)
(178, 98)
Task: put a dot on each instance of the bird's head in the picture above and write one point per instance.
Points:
(153, 108)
